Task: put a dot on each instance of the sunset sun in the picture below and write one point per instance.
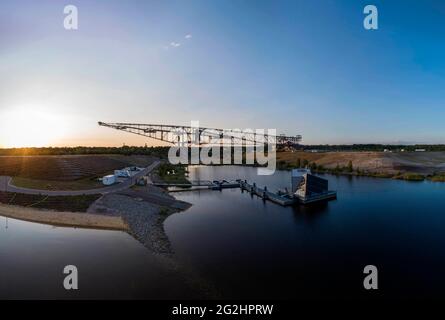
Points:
(29, 127)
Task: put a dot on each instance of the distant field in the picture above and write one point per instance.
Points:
(58, 203)
(67, 168)
(363, 160)
(426, 163)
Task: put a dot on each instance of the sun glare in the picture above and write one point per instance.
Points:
(29, 127)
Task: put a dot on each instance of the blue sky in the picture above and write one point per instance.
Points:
(302, 67)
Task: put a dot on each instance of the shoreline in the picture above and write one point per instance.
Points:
(408, 177)
(144, 210)
(406, 166)
(64, 219)
(146, 227)
(403, 176)
(108, 219)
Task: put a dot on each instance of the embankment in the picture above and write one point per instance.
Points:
(65, 219)
(398, 165)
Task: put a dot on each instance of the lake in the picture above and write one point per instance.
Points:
(256, 249)
(111, 264)
(247, 248)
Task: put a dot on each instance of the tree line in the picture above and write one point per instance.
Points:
(161, 152)
(375, 147)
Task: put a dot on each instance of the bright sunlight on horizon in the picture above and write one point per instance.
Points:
(30, 126)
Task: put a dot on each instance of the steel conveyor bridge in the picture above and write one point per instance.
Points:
(201, 136)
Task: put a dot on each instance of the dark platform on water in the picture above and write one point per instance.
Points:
(314, 190)
(287, 199)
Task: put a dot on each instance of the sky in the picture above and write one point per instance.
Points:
(301, 67)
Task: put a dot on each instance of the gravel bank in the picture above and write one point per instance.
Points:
(144, 211)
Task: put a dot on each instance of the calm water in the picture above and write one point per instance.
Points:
(247, 248)
(254, 249)
(111, 264)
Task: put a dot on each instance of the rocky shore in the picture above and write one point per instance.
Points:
(144, 210)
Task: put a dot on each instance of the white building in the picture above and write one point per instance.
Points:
(109, 180)
(122, 173)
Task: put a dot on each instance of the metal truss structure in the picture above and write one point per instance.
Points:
(200, 136)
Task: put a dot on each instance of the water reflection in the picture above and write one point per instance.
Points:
(248, 248)
(111, 264)
(251, 248)
(310, 213)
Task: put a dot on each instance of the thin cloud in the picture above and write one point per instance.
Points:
(175, 44)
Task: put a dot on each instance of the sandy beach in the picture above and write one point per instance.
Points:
(65, 219)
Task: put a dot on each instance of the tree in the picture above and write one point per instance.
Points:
(298, 163)
(313, 166)
(350, 168)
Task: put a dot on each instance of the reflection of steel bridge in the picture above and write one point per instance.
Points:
(201, 136)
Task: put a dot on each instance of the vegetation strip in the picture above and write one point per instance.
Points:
(58, 203)
(38, 202)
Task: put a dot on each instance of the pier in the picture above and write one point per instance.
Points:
(267, 195)
(287, 199)
(203, 184)
(306, 189)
